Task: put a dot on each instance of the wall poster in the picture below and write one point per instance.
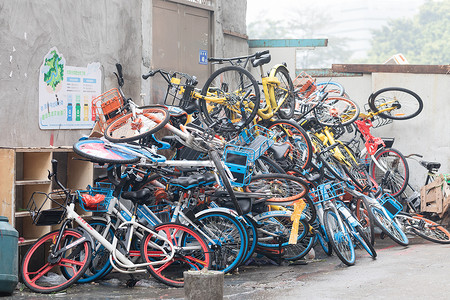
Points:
(66, 93)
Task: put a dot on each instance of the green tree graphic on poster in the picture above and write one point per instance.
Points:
(55, 74)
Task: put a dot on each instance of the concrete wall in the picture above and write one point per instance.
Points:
(84, 31)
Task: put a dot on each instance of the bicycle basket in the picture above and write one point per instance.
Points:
(96, 199)
(305, 84)
(179, 93)
(327, 192)
(107, 107)
(392, 206)
(47, 209)
(241, 153)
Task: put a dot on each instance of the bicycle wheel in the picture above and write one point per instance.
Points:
(364, 241)
(290, 132)
(389, 226)
(274, 230)
(284, 92)
(365, 218)
(99, 266)
(191, 253)
(356, 171)
(252, 234)
(394, 178)
(128, 128)
(426, 228)
(396, 103)
(339, 237)
(96, 151)
(227, 239)
(238, 99)
(281, 189)
(333, 168)
(265, 165)
(336, 110)
(40, 271)
(332, 88)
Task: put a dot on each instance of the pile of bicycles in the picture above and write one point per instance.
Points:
(248, 167)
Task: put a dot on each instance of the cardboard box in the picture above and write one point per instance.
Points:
(435, 196)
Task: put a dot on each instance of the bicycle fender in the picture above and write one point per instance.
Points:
(274, 68)
(87, 236)
(217, 209)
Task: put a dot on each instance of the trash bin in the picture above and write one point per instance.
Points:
(9, 257)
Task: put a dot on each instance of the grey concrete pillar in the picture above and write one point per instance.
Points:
(203, 285)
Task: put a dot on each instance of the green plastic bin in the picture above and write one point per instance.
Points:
(9, 257)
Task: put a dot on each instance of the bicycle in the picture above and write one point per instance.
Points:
(382, 211)
(72, 248)
(277, 89)
(333, 231)
(387, 166)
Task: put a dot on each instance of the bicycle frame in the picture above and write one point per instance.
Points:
(117, 258)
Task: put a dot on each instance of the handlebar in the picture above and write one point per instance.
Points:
(190, 80)
(238, 59)
(54, 175)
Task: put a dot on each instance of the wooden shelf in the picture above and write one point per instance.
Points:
(24, 171)
(32, 182)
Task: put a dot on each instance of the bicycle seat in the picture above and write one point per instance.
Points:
(264, 59)
(138, 197)
(280, 151)
(193, 180)
(245, 204)
(431, 166)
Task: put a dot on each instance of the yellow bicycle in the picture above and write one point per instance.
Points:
(226, 82)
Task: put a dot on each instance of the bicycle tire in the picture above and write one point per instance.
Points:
(242, 94)
(282, 189)
(331, 88)
(365, 218)
(408, 104)
(126, 129)
(336, 110)
(252, 233)
(365, 242)
(31, 263)
(289, 131)
(192, 253)
(333, 168)
(274, 230)
(95, 151)
(100, 265)
(389, 226)
(225, 181)
(340, 239)
(357, 172)
(284, 91)
(230, 239)
(427, 229)
(324, 242)
(265, 165)
(395, 180)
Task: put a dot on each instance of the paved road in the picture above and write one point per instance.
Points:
(419, 271)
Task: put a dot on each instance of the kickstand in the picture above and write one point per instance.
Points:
(132, 281)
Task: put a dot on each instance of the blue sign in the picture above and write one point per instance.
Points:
(203, 57)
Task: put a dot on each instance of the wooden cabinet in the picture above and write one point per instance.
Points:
(24, 171)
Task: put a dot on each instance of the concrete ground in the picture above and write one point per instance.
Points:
(419, 271)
